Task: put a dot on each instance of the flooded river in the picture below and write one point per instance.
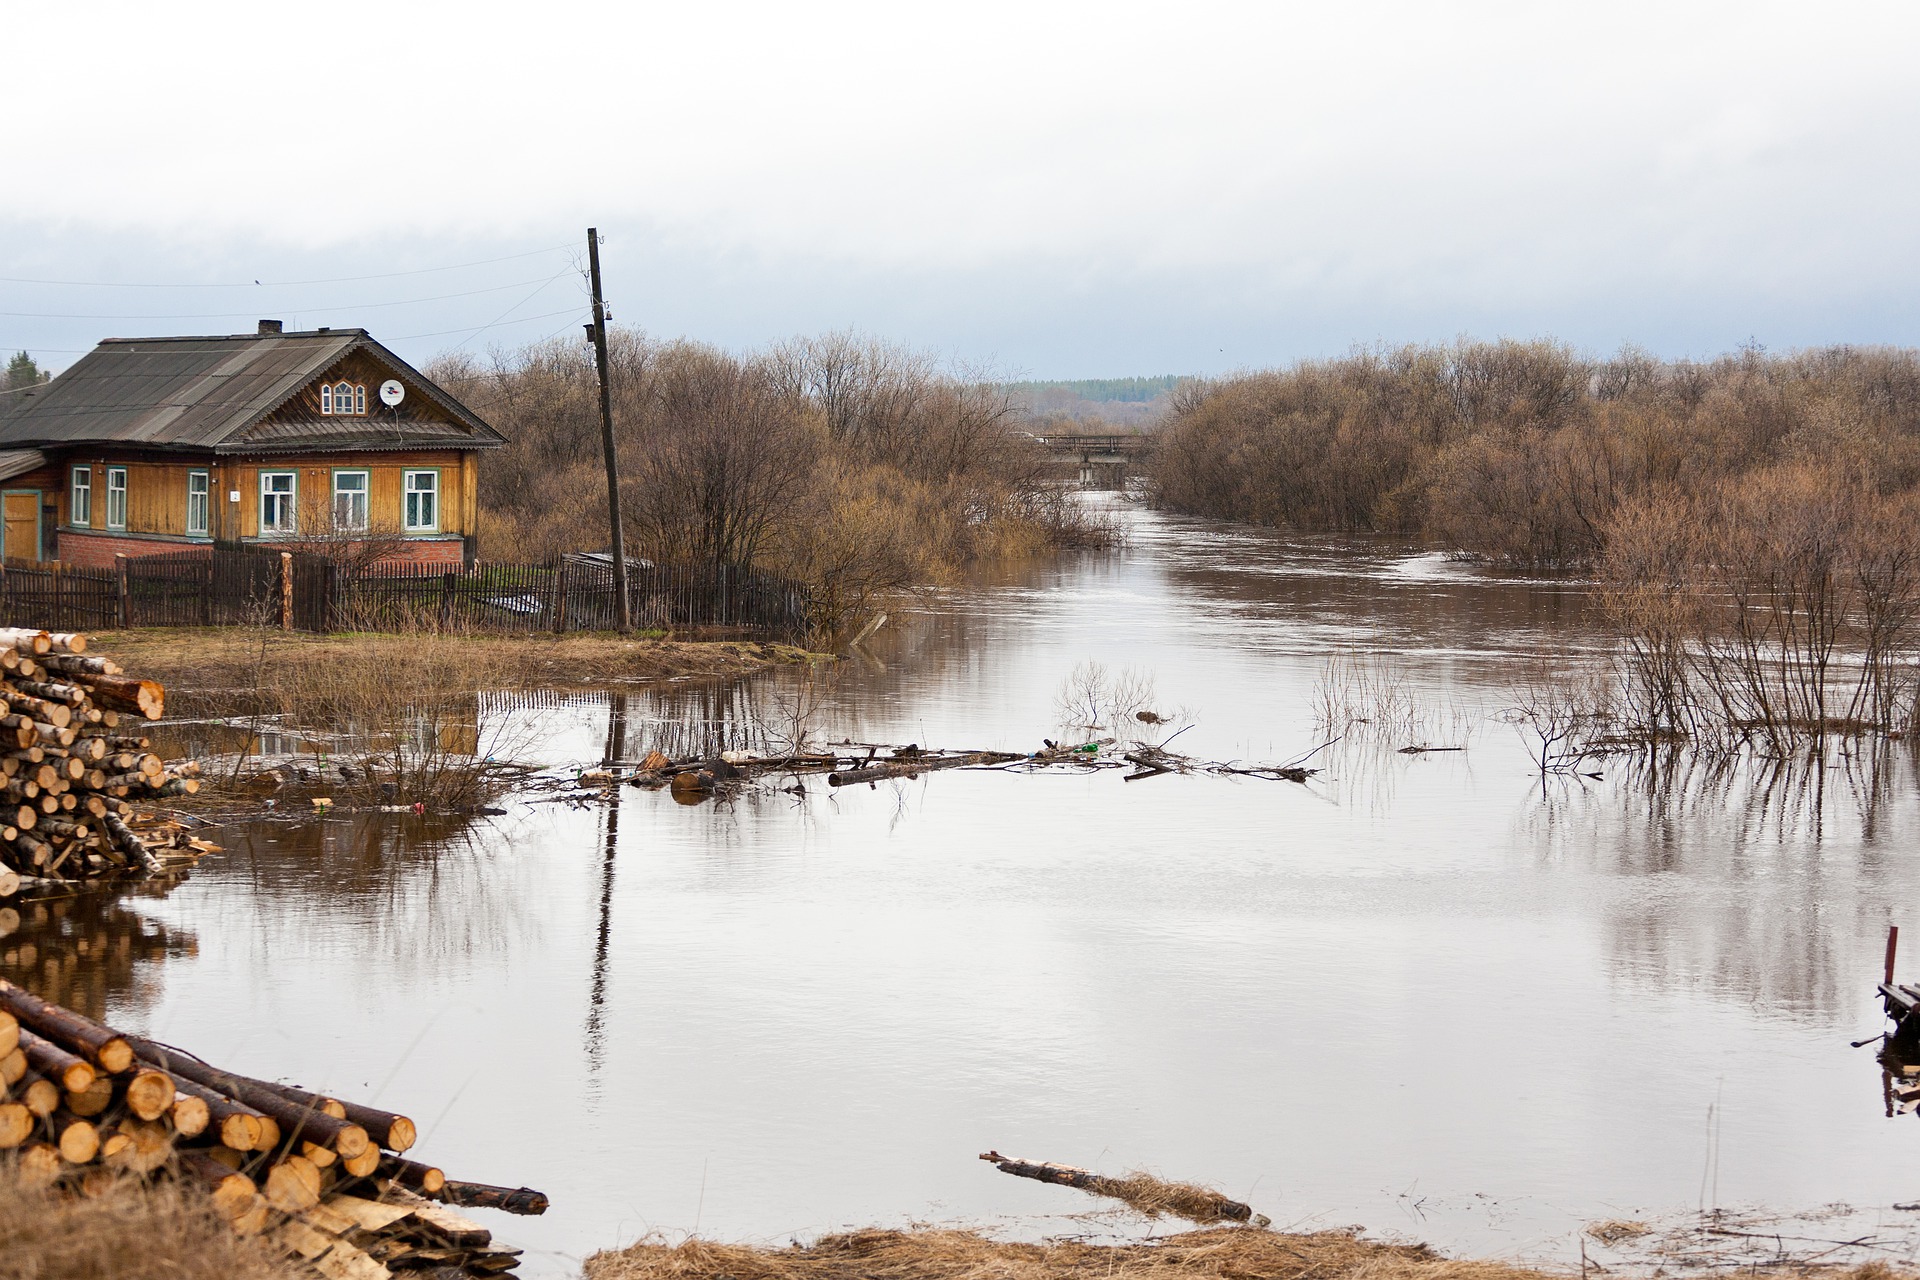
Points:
(1422, 993)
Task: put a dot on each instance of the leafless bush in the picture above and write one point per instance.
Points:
(1376, 698)
(856, 467)
(1525, 451)
(1126, 704)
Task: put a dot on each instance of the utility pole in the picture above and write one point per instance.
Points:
(623, 609)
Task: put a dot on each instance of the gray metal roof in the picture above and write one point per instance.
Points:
(17, 462)
(210, 392)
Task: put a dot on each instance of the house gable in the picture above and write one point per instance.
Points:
(306, 419)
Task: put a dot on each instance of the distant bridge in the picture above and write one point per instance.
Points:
(1108, 456)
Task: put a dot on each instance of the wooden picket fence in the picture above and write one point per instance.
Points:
(222, 586)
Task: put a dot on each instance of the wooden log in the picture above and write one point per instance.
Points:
(295, 1121)
(39, 1165)
(26, 640)
(13, 1067)
(1066, 1175)
(69, 1070)
(92, 1100)
(126, 693)
(189, 1115)
(233, 1193)
(238, 1126)
(37, 1095)
(150, 1146)
(150, 1094)
(57, 714)
(77, 1139)
(9, 1031)
(415, 1176)
(67, 695)
(387, 1129)
(293, 1184)
(364, 1164)
(478, 1195)
(917, 765)
(74, 664)
(17, 1124)
(79, 1034)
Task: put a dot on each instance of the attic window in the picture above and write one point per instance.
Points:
(343, 397)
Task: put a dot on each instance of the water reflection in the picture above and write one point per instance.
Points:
(91, 950)
(1423, 969)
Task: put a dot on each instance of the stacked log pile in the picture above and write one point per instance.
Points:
(327, 1180)
(74, 768)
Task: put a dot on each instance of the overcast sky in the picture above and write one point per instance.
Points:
(1057, 190)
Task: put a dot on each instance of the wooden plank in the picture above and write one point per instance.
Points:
(344, 1262)
(300, 1238)
(325, 1217)
(369, 1215)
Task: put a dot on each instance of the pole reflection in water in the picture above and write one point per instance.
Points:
(617, 707)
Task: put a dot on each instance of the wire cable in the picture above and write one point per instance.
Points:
(339, 306)
(279, 284)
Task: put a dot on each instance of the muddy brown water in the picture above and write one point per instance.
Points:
(1426, 994)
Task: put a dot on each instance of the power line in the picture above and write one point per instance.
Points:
(277, 284)
(545, 315)
(340, 306)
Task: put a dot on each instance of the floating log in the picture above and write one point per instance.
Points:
(916, 765)
(477, 1195)
(1149, 1195)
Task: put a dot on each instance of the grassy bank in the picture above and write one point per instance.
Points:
(238, 670)
(933, 1254)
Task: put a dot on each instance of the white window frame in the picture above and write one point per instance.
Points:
(407, 495)
(80, 498)
(364, 493)
(116, 498)
(359, 398)
(205, 494)
(326, 399)
(291, 496)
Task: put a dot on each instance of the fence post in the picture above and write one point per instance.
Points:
(560, 596)
(446, 598)
(206, 596)
(120, 581)
(286, 591)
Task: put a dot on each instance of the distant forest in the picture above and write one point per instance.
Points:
(1136, 402)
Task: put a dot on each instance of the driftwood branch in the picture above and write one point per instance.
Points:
(1147, 1194)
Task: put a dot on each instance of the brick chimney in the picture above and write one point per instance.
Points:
(269, 326)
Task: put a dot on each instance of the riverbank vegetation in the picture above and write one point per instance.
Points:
(855, 467)
(1752, 519)
(1527, 451)
(933, 1254)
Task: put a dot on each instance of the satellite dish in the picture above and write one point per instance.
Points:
(392, 393)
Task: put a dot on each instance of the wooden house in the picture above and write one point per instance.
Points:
(151, 445)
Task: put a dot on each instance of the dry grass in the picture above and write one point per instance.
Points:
(214, 671)
(1156, 1197)
(130, 1232)
(964, 1255)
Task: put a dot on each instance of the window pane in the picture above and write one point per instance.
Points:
(116, 497)
(326, 397)
(82, 501)
(276, 502)
(359, 399)
(196, 503)
(350, 499)
(423, 494)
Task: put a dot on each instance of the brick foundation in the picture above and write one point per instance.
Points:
(97, 550)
